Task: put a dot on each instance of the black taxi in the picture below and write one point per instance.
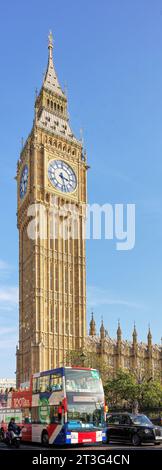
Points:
(136, 429)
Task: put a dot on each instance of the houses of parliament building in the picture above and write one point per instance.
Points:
(52, 270)
(144, 359)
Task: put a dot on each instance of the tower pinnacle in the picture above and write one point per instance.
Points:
(51, 81)
(134, 333)
(102, 330)
(50, 43)
(92, 330)
(149, 336)
(51, 103)
(119, 331)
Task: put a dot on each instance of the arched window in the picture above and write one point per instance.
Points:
(58, 107)
(48, 102)
(51, 104)
(54, 105)
(62, 109)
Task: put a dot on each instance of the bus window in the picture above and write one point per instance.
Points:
(83, 381)
(57, 414)
(41, 414)
(35, 415)
(44, 383)
(36, 385)
(26, 415)
(55, 382)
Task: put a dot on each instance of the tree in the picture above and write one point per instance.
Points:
(150, 393)
(84, 358)
(121, 388)
(125, 388)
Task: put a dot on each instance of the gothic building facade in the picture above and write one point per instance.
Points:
(145, 359)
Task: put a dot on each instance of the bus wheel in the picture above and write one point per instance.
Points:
(45, 438)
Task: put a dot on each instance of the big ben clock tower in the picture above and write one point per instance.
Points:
(52, 279)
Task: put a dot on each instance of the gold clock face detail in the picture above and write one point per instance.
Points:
(62, 176)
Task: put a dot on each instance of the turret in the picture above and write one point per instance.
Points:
(135, 348)
(92, 329)
(149, 340)
(119, 332)
(134, 336)
(102, 330)
(150, 363)
(119, 350)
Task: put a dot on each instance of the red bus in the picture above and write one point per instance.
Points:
(62, 406)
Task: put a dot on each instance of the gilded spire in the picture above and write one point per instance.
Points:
(51, 103)
(51, 81)
(50, 44)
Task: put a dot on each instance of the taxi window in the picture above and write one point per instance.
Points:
(114, 419)
(125, 420)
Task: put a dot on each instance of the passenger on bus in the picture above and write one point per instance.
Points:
(83, 384)
(70, 385)
(60, 412)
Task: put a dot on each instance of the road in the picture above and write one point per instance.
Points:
(90, 448)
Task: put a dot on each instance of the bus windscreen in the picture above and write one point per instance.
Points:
(87, 381)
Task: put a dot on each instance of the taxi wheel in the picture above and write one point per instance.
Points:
(157, 443)
(136, 441)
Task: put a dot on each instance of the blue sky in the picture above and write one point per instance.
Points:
(108, 53)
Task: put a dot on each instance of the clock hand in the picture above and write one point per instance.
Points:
(63, 177)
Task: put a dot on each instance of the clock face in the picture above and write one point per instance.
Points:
(62, 176)
(24, 181)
